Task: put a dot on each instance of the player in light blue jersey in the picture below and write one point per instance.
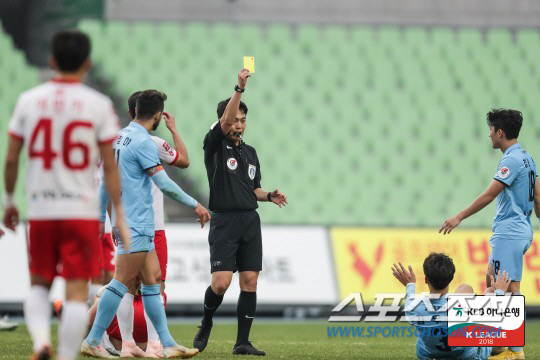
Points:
(139, 165)
(432, 333)
(517, 192)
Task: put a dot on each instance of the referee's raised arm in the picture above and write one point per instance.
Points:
(227, 120)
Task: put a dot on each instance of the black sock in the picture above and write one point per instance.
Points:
(247, 303)
(211, 303)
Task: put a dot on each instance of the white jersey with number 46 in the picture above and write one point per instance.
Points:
(61, 124)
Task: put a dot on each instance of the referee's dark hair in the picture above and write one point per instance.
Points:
(507, 120)
(149, 102)
(70, 49)
(132, 104)
(223, 104)
(439, 269)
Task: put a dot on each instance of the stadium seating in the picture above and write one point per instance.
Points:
(14, 71)
(358, 125)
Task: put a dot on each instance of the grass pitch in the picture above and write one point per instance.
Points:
(280, 340)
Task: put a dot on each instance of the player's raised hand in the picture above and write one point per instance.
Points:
(502, 283)
(203, 214)
(242, 78)
(11, 217)
(169, 121)
(278, 198)
(405, 277)
(449, 225)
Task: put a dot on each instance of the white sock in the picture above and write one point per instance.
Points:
(92, 291)
(150, 329)
(72, 329)
(37, 314)
(124, 315)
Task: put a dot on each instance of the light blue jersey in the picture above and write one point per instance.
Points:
(432, 339)
(517, 171)
(135, 152)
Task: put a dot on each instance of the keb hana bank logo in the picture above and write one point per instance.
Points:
(486, 320)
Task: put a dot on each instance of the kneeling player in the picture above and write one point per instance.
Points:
(439, 271)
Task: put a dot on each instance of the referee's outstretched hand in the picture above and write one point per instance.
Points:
(278, 198)
(203, 214)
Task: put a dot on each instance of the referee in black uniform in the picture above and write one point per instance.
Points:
(234, 176)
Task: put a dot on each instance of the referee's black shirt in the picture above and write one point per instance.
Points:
(233, 173)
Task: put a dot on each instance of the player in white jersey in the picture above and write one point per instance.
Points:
(65, 127)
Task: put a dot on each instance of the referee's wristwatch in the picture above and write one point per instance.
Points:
(238, 89)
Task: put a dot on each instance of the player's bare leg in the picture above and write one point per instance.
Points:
(127, 268)
(221, 280)
(151, 278)
(37, 317)
(504, 352)
(245, 311)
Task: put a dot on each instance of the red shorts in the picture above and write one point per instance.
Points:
(108, 253)
(160, 242)
(63, 247)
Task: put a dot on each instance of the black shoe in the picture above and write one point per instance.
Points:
(247, 349)
(201, 337)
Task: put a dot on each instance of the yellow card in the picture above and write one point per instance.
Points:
(249, 63)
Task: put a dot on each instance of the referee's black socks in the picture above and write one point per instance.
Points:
(247, 303)
(211, 303)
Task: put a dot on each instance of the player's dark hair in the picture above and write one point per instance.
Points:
(223, 104)
(508, 120)
(132, 104)
(439, 269)
(149, 102)
(70, 48)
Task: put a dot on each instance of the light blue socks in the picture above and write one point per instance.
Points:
(110, 300)
(156, 312)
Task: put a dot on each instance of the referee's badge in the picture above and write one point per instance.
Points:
(251, 171)
(232, 163)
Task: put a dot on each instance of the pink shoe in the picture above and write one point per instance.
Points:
(154, 349)
(131, 350)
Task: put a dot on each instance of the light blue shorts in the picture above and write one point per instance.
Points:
(507, 255)
(141, 241)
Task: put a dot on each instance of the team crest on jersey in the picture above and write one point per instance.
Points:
(232, 163)
(251, 171)
(504, 172)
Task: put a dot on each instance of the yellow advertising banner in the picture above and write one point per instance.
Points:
(363, 258)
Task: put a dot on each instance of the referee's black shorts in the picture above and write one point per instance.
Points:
(235, 242)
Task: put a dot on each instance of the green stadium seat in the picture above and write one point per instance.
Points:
(17, 76)
(387, 122)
